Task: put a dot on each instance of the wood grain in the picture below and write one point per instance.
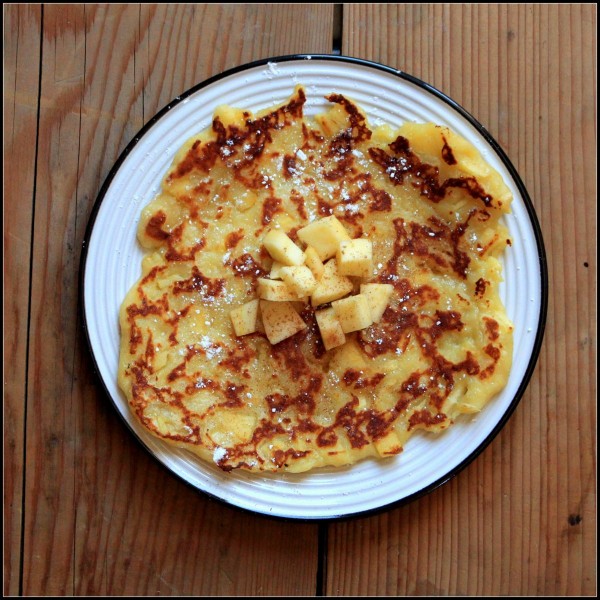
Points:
(518, 521)
(21, 44)
(101, 516)
(87, 511)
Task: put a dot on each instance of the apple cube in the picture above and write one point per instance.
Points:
(274, 290)
(299, 279)
(378, 296)
(324, 236)
(276, 270)
(330, 328)
(280, 320)
(313, 262)
(331, 286)
(353, 312)
(355, 257)
(244, 318)
(282, 249)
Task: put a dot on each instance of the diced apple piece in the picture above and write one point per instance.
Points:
(280, 320)
(330, 328)
(276, 270)
(313, 262)
(355, 257)
(353, 312)
(274, 290)
(331, 286)
(299, 279)
(378, 296)
(324, 236)
(244, 318)
(282, 249)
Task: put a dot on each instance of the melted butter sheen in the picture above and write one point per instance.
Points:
(432, 208)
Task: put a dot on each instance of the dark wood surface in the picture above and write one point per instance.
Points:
(86, 510)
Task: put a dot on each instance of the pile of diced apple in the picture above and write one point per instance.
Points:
(321, 273)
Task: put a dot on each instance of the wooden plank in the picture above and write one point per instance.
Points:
(22, 37)
(568, 207)
(217, 37)
(225, 550)
(103, 518)
(51, 442)
(521, 519)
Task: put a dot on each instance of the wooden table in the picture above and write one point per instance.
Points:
(86, 510)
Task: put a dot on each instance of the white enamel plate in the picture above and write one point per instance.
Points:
(111, 264)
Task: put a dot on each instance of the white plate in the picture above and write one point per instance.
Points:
(112, 263)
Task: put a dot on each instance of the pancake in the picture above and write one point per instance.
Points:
(215, 360)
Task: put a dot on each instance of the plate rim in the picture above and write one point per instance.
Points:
(481, 130)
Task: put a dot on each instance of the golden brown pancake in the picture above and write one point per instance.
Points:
(432, 208)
